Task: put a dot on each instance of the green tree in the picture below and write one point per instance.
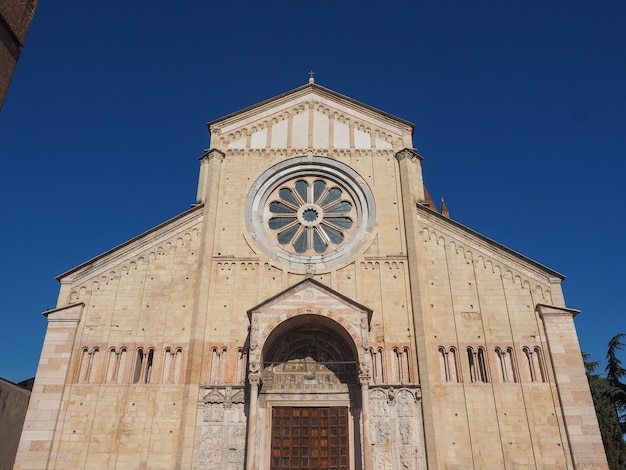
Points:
(609, 400)
(615, 373)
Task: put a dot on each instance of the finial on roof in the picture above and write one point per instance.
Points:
(311, 79)
(444, 209)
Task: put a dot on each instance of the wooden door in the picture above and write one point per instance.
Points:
(310, 438)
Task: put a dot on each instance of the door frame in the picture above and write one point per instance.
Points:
(272, 400)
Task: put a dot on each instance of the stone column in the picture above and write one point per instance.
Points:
(252, 414)
(49, 394)
(579, 415)
(367, 429)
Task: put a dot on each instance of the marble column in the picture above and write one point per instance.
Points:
(252, 417)
(367, 431)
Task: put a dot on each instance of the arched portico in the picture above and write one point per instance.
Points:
(308, 375)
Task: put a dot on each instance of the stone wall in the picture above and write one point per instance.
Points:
(15, 19)
(13, 404)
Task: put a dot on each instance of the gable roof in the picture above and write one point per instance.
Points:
(304, 90)
(311, 117)
(302, 285)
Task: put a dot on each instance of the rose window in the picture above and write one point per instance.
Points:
(311, 215)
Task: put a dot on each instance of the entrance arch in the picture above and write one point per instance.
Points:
(309, 352)
(310, 393)
(308, 373)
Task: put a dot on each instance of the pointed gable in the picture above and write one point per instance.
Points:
(311, 117)
(306, 303)
(309, 292)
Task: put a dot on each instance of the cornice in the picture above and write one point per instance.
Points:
(266, 107)
(134, 246)
(472, 241)
(68, 313)
(410, 154)
(552, 310)
(211, 154)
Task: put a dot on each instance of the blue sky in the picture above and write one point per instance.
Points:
(520, 113)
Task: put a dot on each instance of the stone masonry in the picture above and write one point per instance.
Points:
(311, 310)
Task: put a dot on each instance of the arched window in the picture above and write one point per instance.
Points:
(448, 365)
(116, 365)
(143, 366)
(83, 365)
(168, 366)
(506, 364)
(89, 365)
(535, 364)
(482, 365)
(178, 366)
(378, 369)
(172, 366)
(400, 367)
(477, 365)
(540, 364)
(406, 365)
(218, 364)
(242, 360)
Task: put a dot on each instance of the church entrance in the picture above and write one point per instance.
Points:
(311, 398)
(309, 438)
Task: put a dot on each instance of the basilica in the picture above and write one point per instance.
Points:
(313, 309)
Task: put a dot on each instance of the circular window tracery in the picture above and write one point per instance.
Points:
(311, 215)
(310, 212)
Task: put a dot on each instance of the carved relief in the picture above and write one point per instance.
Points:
(308, 310)
(411, 458)
(396, 428)
(254, 333)
(471, 315)
(406, 432)
(236, 455)
(378, 403)
(405, 403)
(213, 436)
(382, 459)
(381, 432)
(238, 435)
(213, 412)
(221, 435)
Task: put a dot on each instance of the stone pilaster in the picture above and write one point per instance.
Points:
(209, 159)
(412, 187)
(579, 414)
(49, 392)
(210, 175)
(411, 175)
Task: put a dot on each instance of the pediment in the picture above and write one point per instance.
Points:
(311, 117)
(309, 297)
(308, 304)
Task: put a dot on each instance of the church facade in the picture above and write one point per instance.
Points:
(311, 310)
